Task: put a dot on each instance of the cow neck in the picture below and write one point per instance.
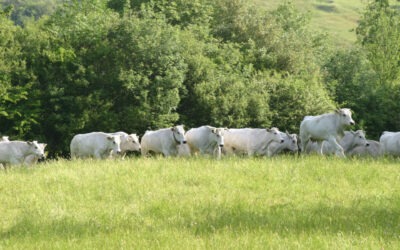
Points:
(265, 147)
(173, 135)
(348, 146)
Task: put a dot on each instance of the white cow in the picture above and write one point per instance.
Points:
(373, 149)
(96, 144)
(15, 152)
(390, 143)
(33, 159)
(4, 138)
(325, 127)
(348, 142)
(206, 140)
(290, 143)
(129, 142)
(250, 141)
(164, 141)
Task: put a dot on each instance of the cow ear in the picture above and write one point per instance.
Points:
(173, 128)
(110, 137)
(337, 111)
(268, 130)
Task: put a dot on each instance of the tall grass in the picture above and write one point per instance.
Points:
(202, 203)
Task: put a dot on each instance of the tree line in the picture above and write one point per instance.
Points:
(110, 65)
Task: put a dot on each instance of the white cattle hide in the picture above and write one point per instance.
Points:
(129, 142)
(373, 149)
(390, 143)
(33, 159)
(325, 127)
(250, 141)
(290, 143)
(15, 152)
(4, 138)
(96, 144)
(348, 142)
(163, 141)
(206, 140)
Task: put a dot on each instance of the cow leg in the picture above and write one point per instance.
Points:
(321, 147)
(338, 149)
(303, 142)
(97, 155)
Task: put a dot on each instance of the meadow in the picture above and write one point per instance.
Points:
(337, 18)
(285, 202)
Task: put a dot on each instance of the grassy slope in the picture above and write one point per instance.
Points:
(280, 203)
(336, 17)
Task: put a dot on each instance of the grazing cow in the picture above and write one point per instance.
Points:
(290, 143)
(96, 144)
(206, 140)
(390, 143)
(33, 159)
(373, 149)
(15, 152)
(250, 141)
(325, 127)
(129, 142)
(348, 142)
(164, 141)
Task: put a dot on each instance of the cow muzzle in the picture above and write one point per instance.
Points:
(282, 141)
(184, 142)
(352, 123)
(221, 145)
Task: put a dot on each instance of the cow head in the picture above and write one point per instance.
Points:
(132, 143)
(218, 135)
(114, 143)
(292, 142)
(178, 133)
(345, 116)
(275, 135)
(36, 148)
(359, 138)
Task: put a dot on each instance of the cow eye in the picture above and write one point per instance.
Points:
(344, 115)
(113, 142)
(360, 136)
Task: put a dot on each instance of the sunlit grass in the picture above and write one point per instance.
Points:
(338, 18)
(178, 203)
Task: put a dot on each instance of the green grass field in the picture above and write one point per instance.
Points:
(200, 203)
(338, 18)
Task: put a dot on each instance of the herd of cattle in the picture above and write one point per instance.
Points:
(323, 134)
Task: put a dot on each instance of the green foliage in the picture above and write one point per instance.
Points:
(365, 78)
(148, 57)
(25, 10)
(134, 65)
(379, 34)
(293, 97)
(17, 110)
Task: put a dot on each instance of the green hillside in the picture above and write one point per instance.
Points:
(337, 17)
